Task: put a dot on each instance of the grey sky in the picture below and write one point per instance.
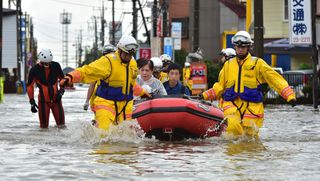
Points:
(48, 30)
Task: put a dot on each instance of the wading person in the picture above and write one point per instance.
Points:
(240, 87)
(45, 75)
(91, 93)
(117, 73)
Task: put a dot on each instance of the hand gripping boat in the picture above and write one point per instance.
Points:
(177, 118)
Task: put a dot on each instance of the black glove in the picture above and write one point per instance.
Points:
(34, 106)
(60, 94)
(293, 102)
(66, 80)
(201, 96)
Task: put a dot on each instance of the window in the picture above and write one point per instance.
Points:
(286, 10)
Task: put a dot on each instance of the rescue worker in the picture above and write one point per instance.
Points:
(166, 60)
(239, 85)
(186, 72)
(227, 54)
(117, 73)
(158, 65)
(173, 85)
(91, 94)
(45, 75)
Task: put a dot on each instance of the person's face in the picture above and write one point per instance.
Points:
(45, 64)
(145, 72)
(125, 57)
(174, 75)
(242, 50)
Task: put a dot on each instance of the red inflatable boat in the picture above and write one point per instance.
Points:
(177, 118)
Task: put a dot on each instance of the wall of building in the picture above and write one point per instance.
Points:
(180, 9)
(273, 17)
(229, 21)
(209, 27)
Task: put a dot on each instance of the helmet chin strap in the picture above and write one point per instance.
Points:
(241, 57)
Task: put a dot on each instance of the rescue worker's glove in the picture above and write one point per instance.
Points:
(86, 105)
(293, 102)
(147, 91)
(34, 106)
(67, 80)
(200, 96)
(60, 94)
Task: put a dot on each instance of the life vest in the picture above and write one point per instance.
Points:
(252, 91)
(119, 85)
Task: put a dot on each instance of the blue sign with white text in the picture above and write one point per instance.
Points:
(168, 50)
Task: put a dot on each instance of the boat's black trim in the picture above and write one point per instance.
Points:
(176, 109)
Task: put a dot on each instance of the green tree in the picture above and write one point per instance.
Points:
(213, 70)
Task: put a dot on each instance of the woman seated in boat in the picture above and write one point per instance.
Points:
(147, 80)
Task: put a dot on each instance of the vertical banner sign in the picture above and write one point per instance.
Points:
(300, 22)
(176, 30)
(167, 42)
(199, 77)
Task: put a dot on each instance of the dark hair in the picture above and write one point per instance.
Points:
(143, 62)
(174, 66)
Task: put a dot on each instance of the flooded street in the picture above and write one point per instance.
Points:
(288, 148)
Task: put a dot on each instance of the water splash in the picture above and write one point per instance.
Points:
(127, 131)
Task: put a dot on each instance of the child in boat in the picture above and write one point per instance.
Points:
(173, 85)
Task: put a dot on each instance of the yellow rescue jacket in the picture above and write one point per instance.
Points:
(187, 81)
(244, 78)
(163, 77)
(117, 79)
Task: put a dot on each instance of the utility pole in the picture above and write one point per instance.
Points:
(315, 54)
(135, 19)
(95, 46)
(102, 25)
(18, 8)
(154, 18)
(165, 18)
(196, 17)
(1, 79)
(80, 49)
(1, 16)
(258, 28)
(113, 25)
(144, 22)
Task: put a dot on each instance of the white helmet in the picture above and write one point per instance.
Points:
(165, 58)
(108, 48)
(242, 38)
(128, 44)
(157, 63)
(45, 56)
(230, 52)
(187, 64)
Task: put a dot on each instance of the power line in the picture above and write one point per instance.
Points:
(46, 35)
(76, 4)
